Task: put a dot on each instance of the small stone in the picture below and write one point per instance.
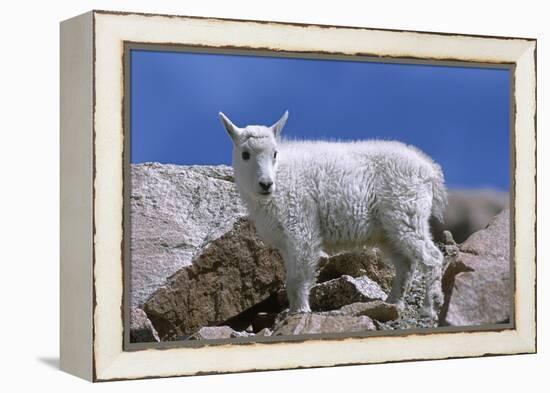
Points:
(141, 328)
(367, 262)
(345, 290)
(241, 334)
(448, 238)
(317, 323)
(377, 309)
(265, 332)
(213, 333)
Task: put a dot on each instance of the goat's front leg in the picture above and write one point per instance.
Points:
(301, 273)
(301, 252)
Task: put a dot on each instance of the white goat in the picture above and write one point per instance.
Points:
(307, 198)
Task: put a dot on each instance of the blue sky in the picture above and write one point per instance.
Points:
(457, 115)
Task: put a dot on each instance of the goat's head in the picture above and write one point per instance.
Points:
(255, 156)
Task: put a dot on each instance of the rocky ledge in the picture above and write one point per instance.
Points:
(199, 271)
(175, 211)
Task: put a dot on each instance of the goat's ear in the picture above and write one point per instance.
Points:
(278, 127)
(231, 128)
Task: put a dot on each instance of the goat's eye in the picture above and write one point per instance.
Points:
(245, 155)
(275, 155)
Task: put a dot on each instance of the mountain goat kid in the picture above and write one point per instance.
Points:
(311, 198)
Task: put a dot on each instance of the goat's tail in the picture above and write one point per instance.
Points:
(439, 202)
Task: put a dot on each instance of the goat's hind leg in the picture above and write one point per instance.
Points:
(404, 269)
(433, 299)
(413, 242)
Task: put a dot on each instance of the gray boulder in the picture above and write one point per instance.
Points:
(234, 273)
(477, 283)
(175, 211)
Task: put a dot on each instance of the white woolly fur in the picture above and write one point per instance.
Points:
(307, 198)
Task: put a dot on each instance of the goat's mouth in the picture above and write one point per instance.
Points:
(265, 193)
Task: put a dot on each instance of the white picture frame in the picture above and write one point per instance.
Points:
(92, 194)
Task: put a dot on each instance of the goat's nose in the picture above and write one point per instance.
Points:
(266, 185)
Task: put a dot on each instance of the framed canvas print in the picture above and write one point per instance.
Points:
(247, 195)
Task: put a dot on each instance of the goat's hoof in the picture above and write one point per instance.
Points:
(427, 314)
(301, 310)
(399, 304)
(438, 299)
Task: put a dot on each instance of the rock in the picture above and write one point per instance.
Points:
(477, 283)
(449, 247)
(344, 290)
(367, 262)
(175, 210)
(315, 323)
(217, 333)
(234, 273)
(265, 332)
(213, 333)
(242, 334)
(469, 211)
(141, 328)
(377, 309)
(493, 240)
